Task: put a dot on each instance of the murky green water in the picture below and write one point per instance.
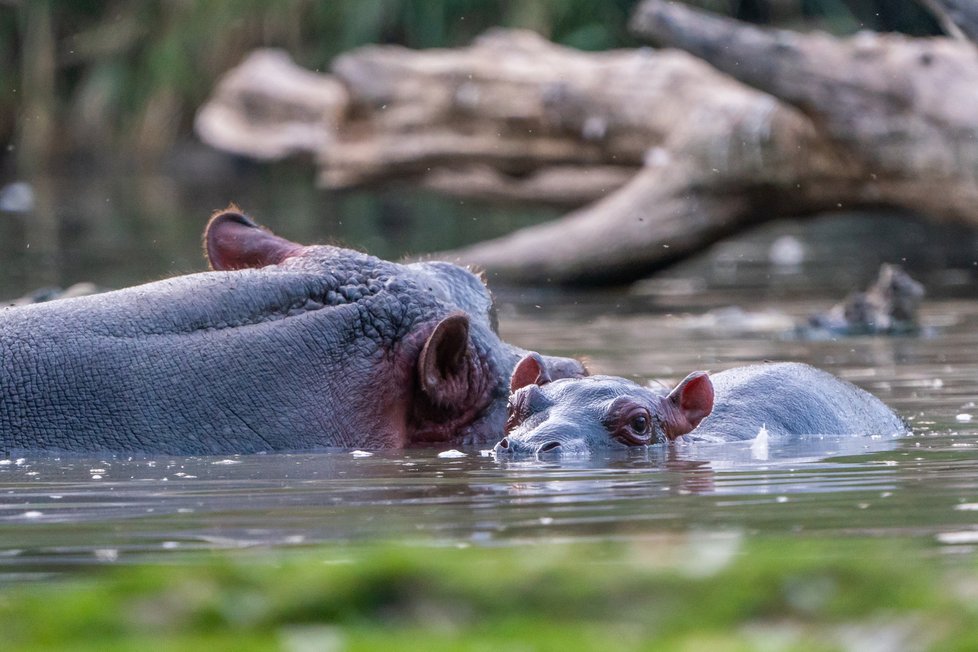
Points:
(60, 514)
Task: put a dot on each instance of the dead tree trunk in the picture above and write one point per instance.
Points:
(664, 153)
(904, 110)
(511, 117)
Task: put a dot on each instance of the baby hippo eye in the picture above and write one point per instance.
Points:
(637, 430)
(640, 424)
(630, 422)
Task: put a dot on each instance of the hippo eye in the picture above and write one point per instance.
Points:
(631, 423)
(637, 430)
(639, 424)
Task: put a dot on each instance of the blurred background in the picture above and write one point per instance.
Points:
(102, 178)
(99, 81)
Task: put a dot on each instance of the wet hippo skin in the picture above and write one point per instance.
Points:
(553, 416)
(281, 347)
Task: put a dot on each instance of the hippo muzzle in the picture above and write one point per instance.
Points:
(552, 438)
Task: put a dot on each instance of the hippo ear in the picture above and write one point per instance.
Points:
(691, 402)
(529, 371)
(233, 241)
(443, 363)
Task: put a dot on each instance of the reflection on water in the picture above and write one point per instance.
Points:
(58, 514)
(123, 230)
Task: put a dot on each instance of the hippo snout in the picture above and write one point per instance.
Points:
(514, 447)
(507, 447)
(543, 442)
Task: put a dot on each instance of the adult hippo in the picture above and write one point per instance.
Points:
(603, 412)
(281, 347)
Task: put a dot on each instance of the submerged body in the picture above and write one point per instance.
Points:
(599, 412)
(282, 347)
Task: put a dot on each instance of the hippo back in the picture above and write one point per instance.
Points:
(791, 398)
(280, 347)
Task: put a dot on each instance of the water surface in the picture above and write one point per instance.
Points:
(58, 514)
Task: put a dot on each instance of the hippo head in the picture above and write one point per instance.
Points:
(409, 352)
(583, 415)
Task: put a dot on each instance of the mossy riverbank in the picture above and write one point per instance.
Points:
(707, 591)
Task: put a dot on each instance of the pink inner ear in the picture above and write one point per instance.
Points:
(442, 363)
(529, 371)
(234, 241)
(696, 397)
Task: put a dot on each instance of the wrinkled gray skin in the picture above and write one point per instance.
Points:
(579, 416)
(290, 348)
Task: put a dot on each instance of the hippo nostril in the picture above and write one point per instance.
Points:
(504, 443)
(549, 446)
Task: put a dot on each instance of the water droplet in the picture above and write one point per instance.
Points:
(968, 536)
(107, 554)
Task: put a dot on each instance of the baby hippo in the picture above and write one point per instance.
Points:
(581, 415)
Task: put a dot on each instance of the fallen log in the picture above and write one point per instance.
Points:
(662, 153)
(901, 108)
(512, 117)
(268, 108)
(894, 114)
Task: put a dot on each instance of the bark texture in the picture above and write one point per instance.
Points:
(660, 153)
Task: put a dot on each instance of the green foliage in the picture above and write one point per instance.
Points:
(792, 594)
(124, 63)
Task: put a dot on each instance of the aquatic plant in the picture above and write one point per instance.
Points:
(695, 591)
